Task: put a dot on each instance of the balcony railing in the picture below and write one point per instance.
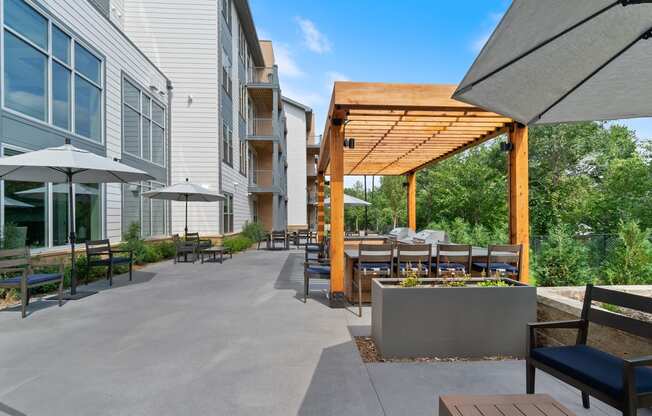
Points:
(262, 75)
(261, 178)
(260, 127)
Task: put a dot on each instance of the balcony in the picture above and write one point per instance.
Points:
(260, 128)
(262, 76)
(262, 181)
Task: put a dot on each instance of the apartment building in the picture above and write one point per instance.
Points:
(228, 124)
(302, 170)
(180, 90)
(69, 71)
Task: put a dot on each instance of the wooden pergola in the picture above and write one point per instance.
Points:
(398, 130)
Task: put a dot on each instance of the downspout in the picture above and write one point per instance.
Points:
(169, 147)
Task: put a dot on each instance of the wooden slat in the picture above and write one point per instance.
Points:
(626, 300)
(624, 323)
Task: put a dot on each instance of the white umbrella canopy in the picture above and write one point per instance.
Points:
(71, 165)
(552, 61)
(350, 201)
(185, 192)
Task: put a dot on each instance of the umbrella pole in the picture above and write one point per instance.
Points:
(186, 227)
(71, 237)
(366, 227)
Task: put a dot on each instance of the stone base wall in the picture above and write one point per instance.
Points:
(560, 303)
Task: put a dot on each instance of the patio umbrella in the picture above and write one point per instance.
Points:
(552, 61)
(60, 188)
(70, 165)
(14, 203)
(187, 192)
(350, 201)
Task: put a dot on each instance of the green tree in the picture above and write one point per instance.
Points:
(563, 261)
(630, 262)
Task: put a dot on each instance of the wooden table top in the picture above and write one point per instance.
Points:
(502, 405)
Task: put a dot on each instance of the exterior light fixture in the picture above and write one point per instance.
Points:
(350, 143)
(506, 146)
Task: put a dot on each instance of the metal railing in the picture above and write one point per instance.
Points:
(262, 75)
(261, 178)
(259, 126)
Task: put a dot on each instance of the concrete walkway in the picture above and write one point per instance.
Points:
(229, 339)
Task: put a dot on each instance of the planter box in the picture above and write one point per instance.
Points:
(470, 322)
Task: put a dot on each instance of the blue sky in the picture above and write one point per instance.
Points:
(421, 41)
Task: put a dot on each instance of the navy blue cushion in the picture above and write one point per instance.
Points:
(449, 266)
(497, 266)
(373, 266)
(593, 367)
(322, 270)
(35, 278)
(114, 260)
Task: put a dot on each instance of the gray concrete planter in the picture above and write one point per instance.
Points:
(469, 321)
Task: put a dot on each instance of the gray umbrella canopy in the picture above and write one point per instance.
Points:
(551, 61)
(185, 192)
(59, 164)
(350, 201)
(71, 165)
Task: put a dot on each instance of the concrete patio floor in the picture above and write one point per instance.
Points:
(223, 339)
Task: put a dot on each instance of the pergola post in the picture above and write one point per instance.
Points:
(519, 215)
(412, 200)
(337, 210)
(320, 207)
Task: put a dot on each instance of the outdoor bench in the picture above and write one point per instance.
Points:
(625, 384)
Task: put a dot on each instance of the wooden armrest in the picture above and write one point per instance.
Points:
(556, 324)
(639, 361)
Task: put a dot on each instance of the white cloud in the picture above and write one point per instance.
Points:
(492, 21)
(312, 37)
(287, 66)
(332, 76)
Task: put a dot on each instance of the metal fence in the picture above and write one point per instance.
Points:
(598, 246)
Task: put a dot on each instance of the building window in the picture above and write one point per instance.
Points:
(227, 144)
(243, 45)
(38, 57)
(243, 100)
(38, 212)
(227, 83)
(226, 12)
(228, 213)
(143, 124)
(243, 156)
(148, 214)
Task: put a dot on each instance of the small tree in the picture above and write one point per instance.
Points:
(563, 260)
(630, 262)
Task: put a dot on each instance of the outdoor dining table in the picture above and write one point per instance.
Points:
(351, 254)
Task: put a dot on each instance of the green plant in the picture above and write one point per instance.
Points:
(166, 248)
(611, 308)
(237, 243)
(13, 236)
(630, 262)
(254, 231)
(493, 283)
(411, 278)
(563, 261)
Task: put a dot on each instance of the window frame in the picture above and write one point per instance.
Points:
(49, 206)
(227, 140)
(150, 118)
(226, 12)
(243, 155)
(227, 74)
(228, 221)
(143, 186)
(51, 60)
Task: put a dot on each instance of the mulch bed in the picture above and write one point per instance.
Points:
(369, 354)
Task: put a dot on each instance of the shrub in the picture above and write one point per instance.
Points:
(254, 231)
(237, 243)
(630, 262)
(563, 261)
(462, 232)
(165, 248)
